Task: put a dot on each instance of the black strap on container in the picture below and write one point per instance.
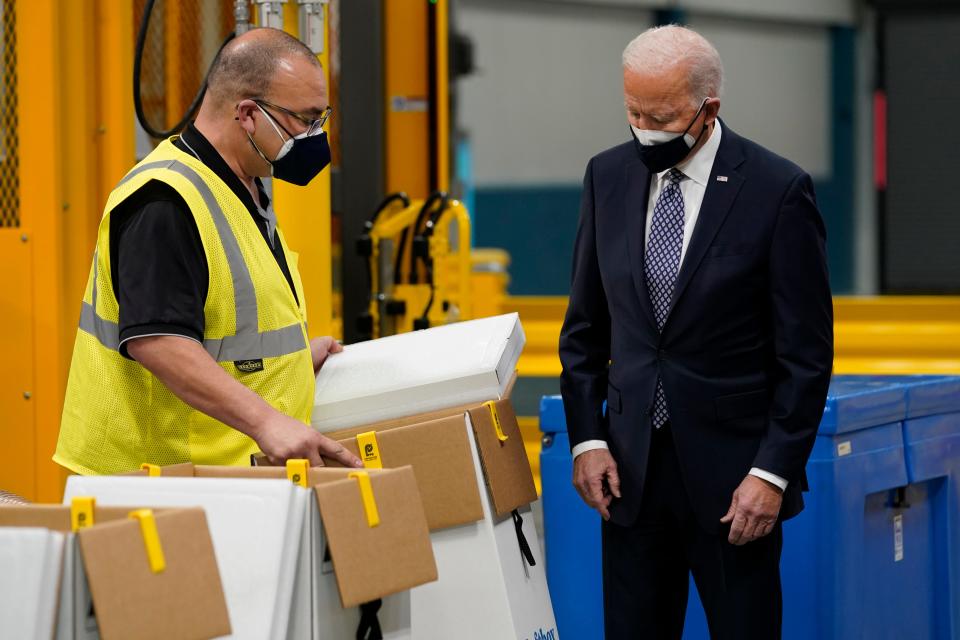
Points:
(369, 628)
(522, 539)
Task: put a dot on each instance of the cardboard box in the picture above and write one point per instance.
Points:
(105, 570)
(254, 526)
(342, 561)
(438, 446)
(476, 485)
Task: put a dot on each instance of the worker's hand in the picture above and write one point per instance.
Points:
(321, 348)
(596, 480)
(282, 438)
(753, 511)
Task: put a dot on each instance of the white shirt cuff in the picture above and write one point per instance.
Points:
(770, 477)
(588, 445)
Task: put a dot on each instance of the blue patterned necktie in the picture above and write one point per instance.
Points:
(662, 264)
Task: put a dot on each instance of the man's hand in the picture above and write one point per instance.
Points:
(192, 375)
(282, 438)
(753, 511)
(321, 348)
(596, 480)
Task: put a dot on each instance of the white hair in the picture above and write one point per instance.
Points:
(659, 49)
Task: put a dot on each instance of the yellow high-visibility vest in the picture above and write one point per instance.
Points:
(117, 414)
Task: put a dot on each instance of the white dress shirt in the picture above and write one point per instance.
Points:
(697, 171)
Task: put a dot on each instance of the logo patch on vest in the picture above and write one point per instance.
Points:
(248, 366)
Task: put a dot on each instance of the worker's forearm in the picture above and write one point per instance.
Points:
(193, 376)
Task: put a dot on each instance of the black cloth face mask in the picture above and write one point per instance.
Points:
(664, 155)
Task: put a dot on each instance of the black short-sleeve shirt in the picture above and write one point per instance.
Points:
(160, 272)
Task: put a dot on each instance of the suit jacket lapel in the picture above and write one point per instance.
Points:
(717, 200)
(637, 178)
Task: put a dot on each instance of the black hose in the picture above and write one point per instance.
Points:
(399, 195)
(138, 63)
(368, 228)
(431, 227)
(398, 261)
(439, 198)
(436, 196)
(428, 262)
(433, 289)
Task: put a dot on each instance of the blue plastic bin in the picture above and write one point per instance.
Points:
(838, 565)
(571, 534)
(932, 439)
(918, 594)
(876, 553)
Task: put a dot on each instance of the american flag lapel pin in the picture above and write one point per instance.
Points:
(721, 178)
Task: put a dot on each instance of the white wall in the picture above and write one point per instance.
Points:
(548, 92)
(777, 89)
(814, 11)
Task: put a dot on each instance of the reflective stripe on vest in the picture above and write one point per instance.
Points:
(248, 343)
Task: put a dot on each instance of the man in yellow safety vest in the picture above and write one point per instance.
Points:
(193, 341)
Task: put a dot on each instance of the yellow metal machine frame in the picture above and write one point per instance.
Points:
(74, 123)
(71, 64)
(417, 129)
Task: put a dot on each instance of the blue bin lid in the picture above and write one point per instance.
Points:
(853, 402)
(860, 402)
(927, 395)
(932, 395)
(552, 418)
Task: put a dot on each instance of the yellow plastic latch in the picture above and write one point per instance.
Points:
(501, 436)
(151, 539)
(81, 512)
(366, 494)
(369, 450)
(153, 470)
(297, 471)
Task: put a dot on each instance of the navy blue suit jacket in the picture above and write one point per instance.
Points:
(747, 350)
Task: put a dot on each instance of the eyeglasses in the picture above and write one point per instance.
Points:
(313, 124)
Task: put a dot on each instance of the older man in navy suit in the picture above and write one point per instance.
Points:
(696, 351)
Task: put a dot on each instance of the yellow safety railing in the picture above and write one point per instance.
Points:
(874, 335)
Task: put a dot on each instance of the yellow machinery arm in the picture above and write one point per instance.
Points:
(419, 262)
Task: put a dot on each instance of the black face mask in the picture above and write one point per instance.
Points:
(305, 159)
(299, 159)
(663, 156)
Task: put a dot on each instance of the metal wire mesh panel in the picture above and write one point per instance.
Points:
(183, 38)
(9, 134)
